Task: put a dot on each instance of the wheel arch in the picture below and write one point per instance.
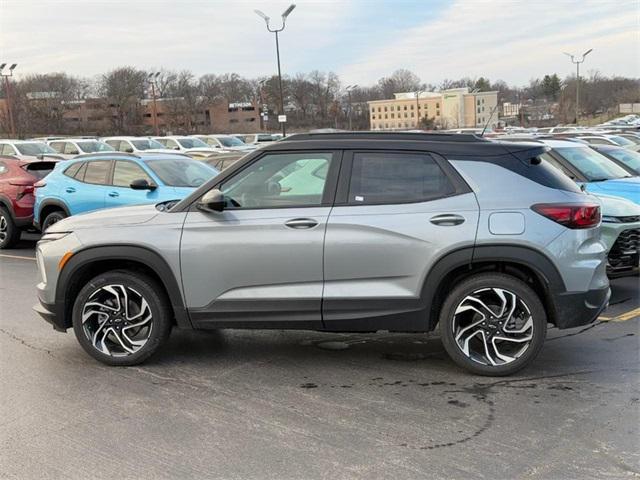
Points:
(49, 205)
(86, 264)
(527, 264)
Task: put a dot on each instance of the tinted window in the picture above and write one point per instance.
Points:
(126, 172)
(280, 180)
(40, 169)
(97, 172)
(73, 169)
(396, 178)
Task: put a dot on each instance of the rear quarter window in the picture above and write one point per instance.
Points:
(40, 169)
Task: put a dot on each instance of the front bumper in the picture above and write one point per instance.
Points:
(577, 309)
(48, 312)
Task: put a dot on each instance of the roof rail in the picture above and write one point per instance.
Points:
(118, 154)
(426, 137)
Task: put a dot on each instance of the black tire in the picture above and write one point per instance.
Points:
(158, 304)
(53, 217)
(481, 284)
(9, 231)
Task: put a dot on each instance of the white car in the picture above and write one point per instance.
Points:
(606, 139)
(26, 149)
(228, 143)
(257, 139)
(136, 145)
(70, 147)
(191, 146)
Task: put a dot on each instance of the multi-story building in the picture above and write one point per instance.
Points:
(453, 108)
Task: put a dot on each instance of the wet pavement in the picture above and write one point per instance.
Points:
(290, 405)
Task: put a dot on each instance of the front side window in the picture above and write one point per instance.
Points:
(280, 180)
(96, 172)
(126, 172)
(396, 178)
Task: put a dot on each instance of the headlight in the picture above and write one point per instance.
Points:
(50, 237)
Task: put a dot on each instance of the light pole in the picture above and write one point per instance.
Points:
(285, 14)
(7, 88)
(263, 111)
(349, 88)
(578, 61)
(151, 78)
(418, 92)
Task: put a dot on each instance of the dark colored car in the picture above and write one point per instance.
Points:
(17, 195)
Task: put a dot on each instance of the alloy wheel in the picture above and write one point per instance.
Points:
(4, 228)
(493, 326)
(117, 320)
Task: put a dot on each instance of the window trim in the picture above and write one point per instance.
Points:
(460, 187)
(328, 196)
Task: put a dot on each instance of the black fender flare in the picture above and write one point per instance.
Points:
(533, 259)
(53, 202)
(150, 259)
(5, 202)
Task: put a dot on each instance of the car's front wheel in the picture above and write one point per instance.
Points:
(493, 324)
(122, 317)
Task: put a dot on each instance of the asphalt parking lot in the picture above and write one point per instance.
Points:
(290, 405)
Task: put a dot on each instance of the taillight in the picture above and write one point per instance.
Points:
(25, 187)
(571, 216)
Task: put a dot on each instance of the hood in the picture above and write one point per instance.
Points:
(111, 217)
(617, 206)
(628, 188)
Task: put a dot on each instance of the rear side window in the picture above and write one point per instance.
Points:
(72, 171)
(97, 172)
(396, 178)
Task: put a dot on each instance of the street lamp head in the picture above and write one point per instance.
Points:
(2, 65)
(157, 75)
(587, 52)
(286, 13)
(13, 66)
(264, 17)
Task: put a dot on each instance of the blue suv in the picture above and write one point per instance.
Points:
(105, 180)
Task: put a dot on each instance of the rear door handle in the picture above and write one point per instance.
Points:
(70, 190)
(113, 194)
(301, 223)
(447, 220)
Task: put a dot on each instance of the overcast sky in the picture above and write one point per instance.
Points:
(361, 40)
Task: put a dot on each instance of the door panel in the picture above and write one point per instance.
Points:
(248, 266)
(377, 255)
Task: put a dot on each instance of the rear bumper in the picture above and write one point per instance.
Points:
(48, 312)
(577, 309)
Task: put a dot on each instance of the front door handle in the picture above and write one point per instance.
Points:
(70, 190)
(301, 223)
(447, 220)
(113, 194)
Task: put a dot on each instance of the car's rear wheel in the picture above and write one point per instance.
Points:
(493, 324)
(122, 317)
(53, 217)
(9, 232)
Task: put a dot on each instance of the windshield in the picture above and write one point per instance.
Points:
(629, 158)
(591, 164)
(192, 143)
(146, 144)
(182, 172)
(635, 140)
(93, 146)
(35, 148)
(231, 142)
(623, 142)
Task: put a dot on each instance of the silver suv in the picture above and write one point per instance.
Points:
(341, 232)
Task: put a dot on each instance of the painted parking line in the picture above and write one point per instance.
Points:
(17, 257)
(623, 317)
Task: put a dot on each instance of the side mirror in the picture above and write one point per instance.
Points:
(212, 201)
(176, 147)
(128, 150)
(142, 184)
